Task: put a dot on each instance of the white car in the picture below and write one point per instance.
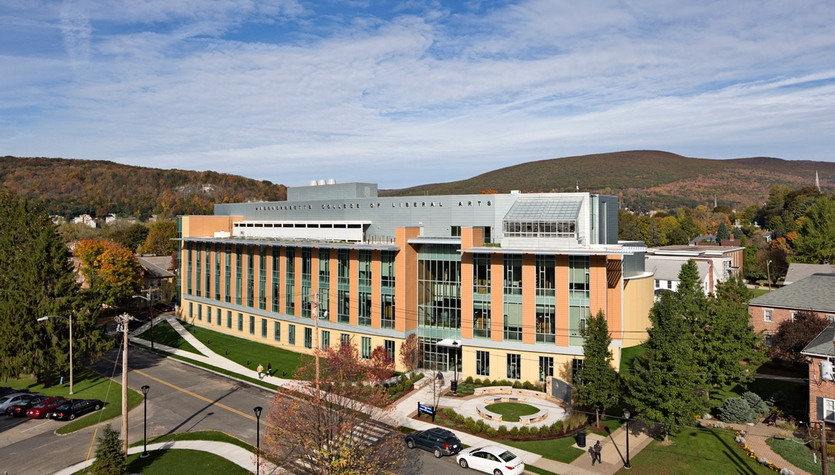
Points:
(12, 399)
(491, 459)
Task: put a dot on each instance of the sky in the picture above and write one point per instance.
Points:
(412, 92)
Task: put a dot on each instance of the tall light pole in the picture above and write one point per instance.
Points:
(69, 319)
(768, 273)
(314, 304)
(626, 415)
(455, 368)
(258, 410)
(145, 390)
(150, 309)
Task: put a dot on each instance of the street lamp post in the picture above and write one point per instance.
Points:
(626, 415)
(257, 410)
(768, 273)
(455, 368)
(69, 319)
(145, 390)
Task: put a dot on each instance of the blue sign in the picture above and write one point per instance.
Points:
(425, 409)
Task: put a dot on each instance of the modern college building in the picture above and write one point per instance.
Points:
(499, 284)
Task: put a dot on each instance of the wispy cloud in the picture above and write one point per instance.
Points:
(396, 93)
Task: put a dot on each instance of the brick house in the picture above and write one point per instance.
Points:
(815, 293)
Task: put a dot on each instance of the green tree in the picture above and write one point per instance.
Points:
(722, 232)
(666, 384)
(36, 279)
(110, 460)
(628, 229)
(598, 385)
(816, 243)
(131, 236)
(159, 241)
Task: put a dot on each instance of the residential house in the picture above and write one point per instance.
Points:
(815, 293)
(820, 354)
(716, 264)
(157, 280)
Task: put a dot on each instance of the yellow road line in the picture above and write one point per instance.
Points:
(186, 391)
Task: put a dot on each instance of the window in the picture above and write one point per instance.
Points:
(455, 231)
(390, 348)
(481, 320)
(482, 363)
(793, 315)
(657, 283)
(513, 321)
(546, 367)
(228, 319)
(514, 365)
(263, 328)
(200, 312)
(768, 340)
(767, 315)
(326, 339)
(191, 310)
(576, 366)
(219, 319)
(240, 322)
(291, 334)
(344, 339)
(366, 348)
(208, 314)
(251, 325)
(308, 338)
(276, 331)
(829, 410)
(669, 284)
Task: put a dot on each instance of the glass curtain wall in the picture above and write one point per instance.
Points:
(387, 289)
(262, 277)
(324, 280)
(307, 270)
(512, 298)
(439, 302)
(546, 303)
(343, 263)
(482, 283)
(290, 281)
(579, 295)
(364, 288)
(276, 283)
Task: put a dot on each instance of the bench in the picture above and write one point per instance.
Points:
(542, 414)
(483, 412)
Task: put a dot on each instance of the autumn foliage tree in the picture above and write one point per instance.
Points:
(381, 366)
(793, 335)
(410, 352)
(329, 431)
(110, 269)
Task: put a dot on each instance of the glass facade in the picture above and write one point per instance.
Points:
(307, 264)
(579, 296)
(324, 281)
(290, 281)
(439, 302)
(387, 289)
(343, 289)
(364, 316)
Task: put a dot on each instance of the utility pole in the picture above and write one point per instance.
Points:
(123, 321)
(824, 459)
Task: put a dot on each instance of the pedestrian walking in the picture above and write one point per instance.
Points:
(260, 370)
(597, 449)
(269, 369)
(593, 455)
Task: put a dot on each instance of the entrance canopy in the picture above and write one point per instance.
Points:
(449, 343)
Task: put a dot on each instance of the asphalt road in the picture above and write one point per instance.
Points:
(182, 398)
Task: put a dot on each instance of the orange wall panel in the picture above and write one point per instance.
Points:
(528, 299)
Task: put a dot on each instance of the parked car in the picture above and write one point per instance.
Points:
(436, 440)
(145, 315)
(12, 399)
(38, 411)
(163, 307)
(491, 459)
(19, 409)
(71, 409)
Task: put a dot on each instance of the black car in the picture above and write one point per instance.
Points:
(19, 409)
(436, 440)
(74, 408)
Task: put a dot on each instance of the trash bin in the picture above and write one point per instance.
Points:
(454, 386)
(581, 439)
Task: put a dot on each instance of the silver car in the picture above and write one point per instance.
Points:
(13, 399)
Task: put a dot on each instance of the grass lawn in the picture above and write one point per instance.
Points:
(798, 454)
(511, 411)
(695, 451)
(757, 292)
(165, 334)
(248, 353)
(560, 450)
(181, 462)
(199, 435)
(87, 384)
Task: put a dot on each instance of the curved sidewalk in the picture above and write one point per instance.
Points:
(237, 455)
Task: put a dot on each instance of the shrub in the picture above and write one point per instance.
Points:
(109, 458)
(545, 431)
(449, 413)
(392, 390)
(460, 419)
(514, 432)
(469, 380)
(528, 385)
(490, 431)
(525, 431)
(470, 425)
(755, 402)
(534, 431)
(517, 385)
(736, 410)
(477, 382)
(487, 382)
(502, 430)
(557, 427)
(449, 423)
(480, 425)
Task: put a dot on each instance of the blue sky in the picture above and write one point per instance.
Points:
(412, 92)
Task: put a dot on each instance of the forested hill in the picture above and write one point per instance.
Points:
(647, 180)
(74, 187)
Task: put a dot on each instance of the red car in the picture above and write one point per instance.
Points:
(39, 411)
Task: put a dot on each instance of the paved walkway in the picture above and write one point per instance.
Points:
(755, 437)
(613, 450)
(237, 455)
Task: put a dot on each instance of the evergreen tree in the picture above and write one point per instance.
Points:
(722, 232)
(666, 384)
(37, 279)
(816, 243)
(598, 382)
(109, 457)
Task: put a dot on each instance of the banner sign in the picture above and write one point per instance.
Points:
(425, 409)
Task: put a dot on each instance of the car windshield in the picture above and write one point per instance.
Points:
(507, 456)
(63, 407)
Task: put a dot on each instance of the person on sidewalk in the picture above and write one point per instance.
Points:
(597, 449)
(593, 455)
(260, 370)
(269, 369)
